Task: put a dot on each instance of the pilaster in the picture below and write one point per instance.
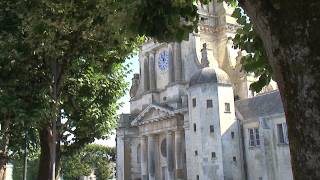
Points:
(170, 158)
(144, 159)
(177, 62)
(151, 157)
(146, 80)
(179, 153)
(152, 72)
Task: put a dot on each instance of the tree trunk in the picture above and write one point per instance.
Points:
(3, 166)
(4, 148)
(45, 155)
(290, 34)
(58, 158)
(46, 142)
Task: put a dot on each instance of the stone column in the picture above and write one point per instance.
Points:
(146, 73)
(151, 157)
(177, 62)
(144, 160)
(170, 158)
(179, 154)
(171, 59)
(152, 71)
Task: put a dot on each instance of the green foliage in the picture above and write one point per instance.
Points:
(17, 160)
(88, 41)
(255, 61)
(93, 157)
(89, 102)
(166, 20)
(18, 170)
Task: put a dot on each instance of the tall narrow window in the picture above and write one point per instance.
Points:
(251, 138)
(257, 136)
(198, 177)
(194, 102)
(227, 107)
(196, 153)
(194, 127)
(209, 103)
(254, 137)
(232, 134)
(282, 133)
(213, 155)
(211, 128)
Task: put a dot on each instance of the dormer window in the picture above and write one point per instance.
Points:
(282, 133)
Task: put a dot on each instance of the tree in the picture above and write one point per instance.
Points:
(18, 165)
(56, 35)
(99, 158)
(52, 36)
(88, 104)
(20, 97)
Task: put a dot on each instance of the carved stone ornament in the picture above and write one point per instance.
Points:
(135, 85)
(204, 56)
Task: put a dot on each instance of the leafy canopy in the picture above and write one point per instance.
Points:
(97, 158)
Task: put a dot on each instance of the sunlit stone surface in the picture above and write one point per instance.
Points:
(193, 116)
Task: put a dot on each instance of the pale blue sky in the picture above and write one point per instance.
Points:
(134, 66)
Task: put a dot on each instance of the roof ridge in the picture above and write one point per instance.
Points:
(258, 95)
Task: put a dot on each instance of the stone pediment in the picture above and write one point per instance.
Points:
(153, 113)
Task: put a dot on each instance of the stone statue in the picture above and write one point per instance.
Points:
(135, 85)
(204, 56)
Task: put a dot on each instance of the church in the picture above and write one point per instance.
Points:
(193, 116)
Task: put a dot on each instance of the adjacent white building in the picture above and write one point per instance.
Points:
(193, 116)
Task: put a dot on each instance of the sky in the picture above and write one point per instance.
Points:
(134, 66)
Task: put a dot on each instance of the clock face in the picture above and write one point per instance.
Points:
(163, 61)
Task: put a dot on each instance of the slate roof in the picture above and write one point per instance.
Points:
(260, 105)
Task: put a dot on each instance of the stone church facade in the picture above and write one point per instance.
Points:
(193, 117)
